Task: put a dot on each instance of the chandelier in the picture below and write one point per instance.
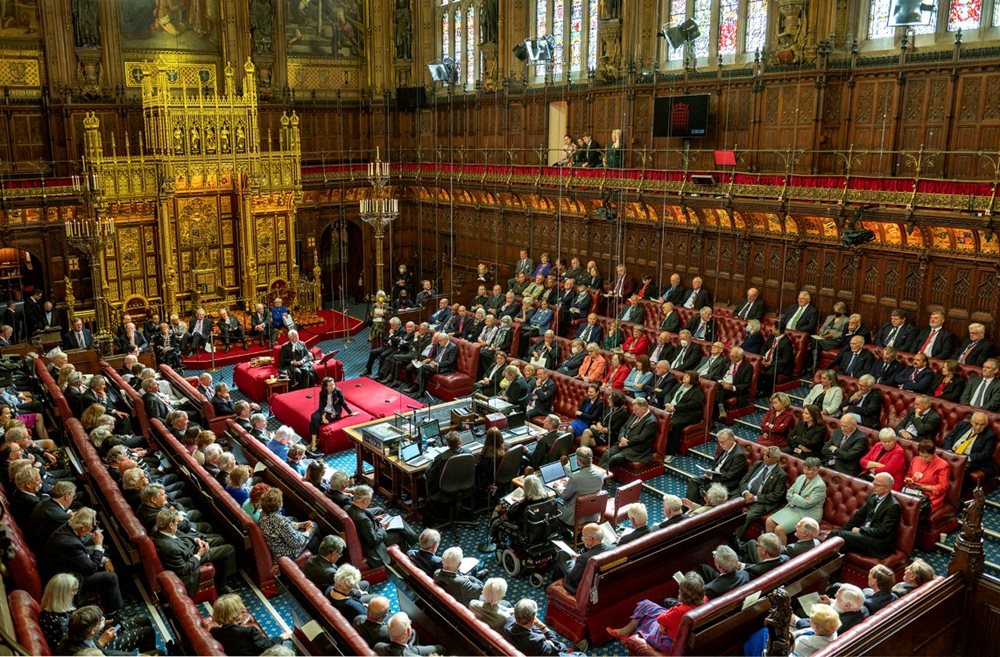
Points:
(379, 210)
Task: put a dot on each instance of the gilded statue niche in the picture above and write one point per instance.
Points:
(265, 245)
(199, 224)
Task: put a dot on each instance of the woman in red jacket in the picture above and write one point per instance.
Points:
(636, 344)
(777, 422)
(929, 473)
(617, 373)
(886, 456)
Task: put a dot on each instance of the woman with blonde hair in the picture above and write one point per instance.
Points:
(91, 416)
(237, 636)
(135, 633)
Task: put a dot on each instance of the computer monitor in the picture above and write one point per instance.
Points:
(552, 472)
(430, 429)
(574, 465)
(409, 451)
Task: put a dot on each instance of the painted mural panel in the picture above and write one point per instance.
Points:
(332, 28)
(19, 20)
(189, 25)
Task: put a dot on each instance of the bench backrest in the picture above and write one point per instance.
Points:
(190, 626)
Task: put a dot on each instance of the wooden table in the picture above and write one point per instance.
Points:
(275, 386)
(400, 483)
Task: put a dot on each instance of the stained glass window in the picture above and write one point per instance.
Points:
(573, 25)
(878, 20)
(756, 34)
(458, 44)
(445, 35)
(703, 16)
(576, 36)
(592, 35)
(558, 29)
(470, 28)
(996, 13)
(678, 13)
(964, 15)
(728, 11)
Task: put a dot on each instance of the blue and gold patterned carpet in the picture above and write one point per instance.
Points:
(278, 613)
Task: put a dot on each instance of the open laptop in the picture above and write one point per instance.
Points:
(430, 430)
(516, 425)
(552, 472)
(573, 465)
(411, 454)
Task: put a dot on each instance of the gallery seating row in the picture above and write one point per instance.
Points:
(305, 500)
(339, 637)
(228, 517)
(614, 581)
(844, 496)
(442, 619)
(827, 356)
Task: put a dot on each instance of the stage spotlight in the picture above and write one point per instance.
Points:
(535, 51)
(443, 70)
(521, 52)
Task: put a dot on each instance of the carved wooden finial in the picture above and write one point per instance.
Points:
(778, 621)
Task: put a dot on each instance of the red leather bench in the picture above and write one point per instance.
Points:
(51, 391)
(459, 382)
(614, 581)
(307, 500)
(295, 409)
(339, 630)
(698, 433)
(720, 626)
(844, 496)
(229, 517)
(443, 619)
(800, 346)
(189, 625)
(914, 618)
(23, 568)
(24, 611)
(250, 380)
(187, 386)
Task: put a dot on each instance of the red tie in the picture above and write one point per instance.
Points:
(928, 341)
(965, 354)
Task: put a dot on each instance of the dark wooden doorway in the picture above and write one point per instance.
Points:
(341, 257)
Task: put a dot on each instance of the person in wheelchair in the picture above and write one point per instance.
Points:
(526, 526)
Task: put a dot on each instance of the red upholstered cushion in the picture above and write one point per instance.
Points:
(455, 384)
(25, 610)
(194, 632)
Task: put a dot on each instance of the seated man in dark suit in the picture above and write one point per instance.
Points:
(572, 569)
(917, 377)
(674, 511)
(885, 368)
(866, 403)
(872, 529)
(375, 631)
(854, 360)
(464, 588)
(702, 326)
(373, 535)
(66, 552)
(763, 487)
(26, 495)
(736, 378)
(199, 333)
(751, 308)
(320, 568)
(801, 317)
(527, 636)
(974, 438)
(983, 391)
(633, 311)
(686, 355)
(843, 451)
(725, 574)
(231, 330)
(441, 360)
(769, 555)
(976, 348)
(933, 340)
(898, 333)
(590, 330)
(433, 475)
(538, 456)
(806, 533)
(296, 361)
(728, 468)
(425, 557)
(661, 386)
(184, 554)
(778, 359)
(49, 515)
(920, 422)
(637, 437)
(671, 322)
(639, 519)
(542, 395)
(78, 336)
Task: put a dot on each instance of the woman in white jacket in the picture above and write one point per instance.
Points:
(827, 394)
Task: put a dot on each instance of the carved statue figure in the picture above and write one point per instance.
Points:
(210, 139)
(489, 26)
(178, 139)
(262, 26)
(404, 26)
(778, 622)
(224, 144)
(972, 518)
(195, 139)
(241, 139)
(490, 74)
(86, 28)
(612, 9)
